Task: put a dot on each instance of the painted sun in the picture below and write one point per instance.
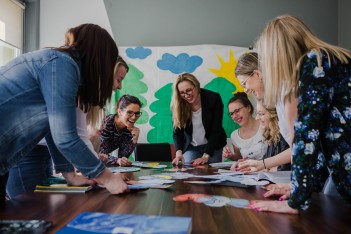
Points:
(227, 71)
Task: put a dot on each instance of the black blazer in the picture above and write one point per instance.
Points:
(212, 116)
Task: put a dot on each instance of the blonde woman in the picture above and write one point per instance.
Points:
(96, 116)
(197, 122)
(271, 134)
(250, 76)
(313, 78)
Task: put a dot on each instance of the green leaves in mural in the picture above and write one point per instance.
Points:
(133, 85)
(162, 121)
(226, 89)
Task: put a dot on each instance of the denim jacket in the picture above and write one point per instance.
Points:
(38, 93)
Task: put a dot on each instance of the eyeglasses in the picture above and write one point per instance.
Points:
(243, 84)
(236, 111)
(131, 113)
(187, 92)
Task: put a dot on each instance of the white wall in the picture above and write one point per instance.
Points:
(344, 26)
(58, 16)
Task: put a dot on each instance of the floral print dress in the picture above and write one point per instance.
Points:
(113, 138)
(322, 136)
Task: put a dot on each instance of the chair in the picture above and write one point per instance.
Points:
(153, 152)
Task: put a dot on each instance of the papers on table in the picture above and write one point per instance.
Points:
(154, 165)
(221, 164)
(123, 169)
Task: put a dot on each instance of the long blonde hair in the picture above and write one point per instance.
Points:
(181, 109)
(281, 47)
(271, 134)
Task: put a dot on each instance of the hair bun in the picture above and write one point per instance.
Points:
(241, 94)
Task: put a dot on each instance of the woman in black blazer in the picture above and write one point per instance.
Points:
(197, 116)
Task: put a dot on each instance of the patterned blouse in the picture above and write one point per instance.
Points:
(113, 138)
(322, 130)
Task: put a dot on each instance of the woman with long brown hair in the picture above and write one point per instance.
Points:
(40, 91)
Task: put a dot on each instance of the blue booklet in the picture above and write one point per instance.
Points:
(95, 222)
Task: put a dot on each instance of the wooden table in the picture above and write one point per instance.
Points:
(326, 214)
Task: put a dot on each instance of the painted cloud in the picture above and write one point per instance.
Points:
(179, 64)
(138, 52)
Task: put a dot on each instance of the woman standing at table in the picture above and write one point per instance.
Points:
(197, 116)
(47, 86)
(250, 76)
(317, 77)
(248, 139)
(120, 131)
(36, 167)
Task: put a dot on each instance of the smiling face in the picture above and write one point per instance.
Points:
(262, 115)
(239, 113)
(118, 77)
(252, 84)
(188, 91)
(129, 115)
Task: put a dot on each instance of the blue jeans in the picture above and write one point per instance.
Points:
(38, 92)
(194, 152)
(32, 170)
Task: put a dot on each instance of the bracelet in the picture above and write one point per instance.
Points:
(264, 164)
(206, 156)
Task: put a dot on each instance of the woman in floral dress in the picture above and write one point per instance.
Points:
(314, 80)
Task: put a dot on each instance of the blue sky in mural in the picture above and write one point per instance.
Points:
(138, 52)
(179, 64)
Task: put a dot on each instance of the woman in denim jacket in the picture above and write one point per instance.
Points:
(39, 93)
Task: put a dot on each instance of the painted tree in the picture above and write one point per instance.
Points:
(161, 122)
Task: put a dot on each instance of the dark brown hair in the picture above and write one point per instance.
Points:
(125, 100)
(97, 53)
(243, 99)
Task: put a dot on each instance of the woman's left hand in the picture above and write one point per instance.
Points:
(283, 190)
(124, 162)
(273, 206)
(202, 160)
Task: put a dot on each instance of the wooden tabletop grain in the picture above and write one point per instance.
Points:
(326, 214)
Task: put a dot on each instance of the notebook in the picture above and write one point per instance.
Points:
(96, 222)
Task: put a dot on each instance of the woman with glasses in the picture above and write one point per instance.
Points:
(197, 116)
(247, 140)
(120, 131)
(248, 72)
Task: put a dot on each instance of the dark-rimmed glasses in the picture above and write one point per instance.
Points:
(188, 91)
(131, 113)
(236, 111)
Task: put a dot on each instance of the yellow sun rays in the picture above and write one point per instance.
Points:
(227, 71)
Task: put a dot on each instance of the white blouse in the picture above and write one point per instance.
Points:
(253, 148)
